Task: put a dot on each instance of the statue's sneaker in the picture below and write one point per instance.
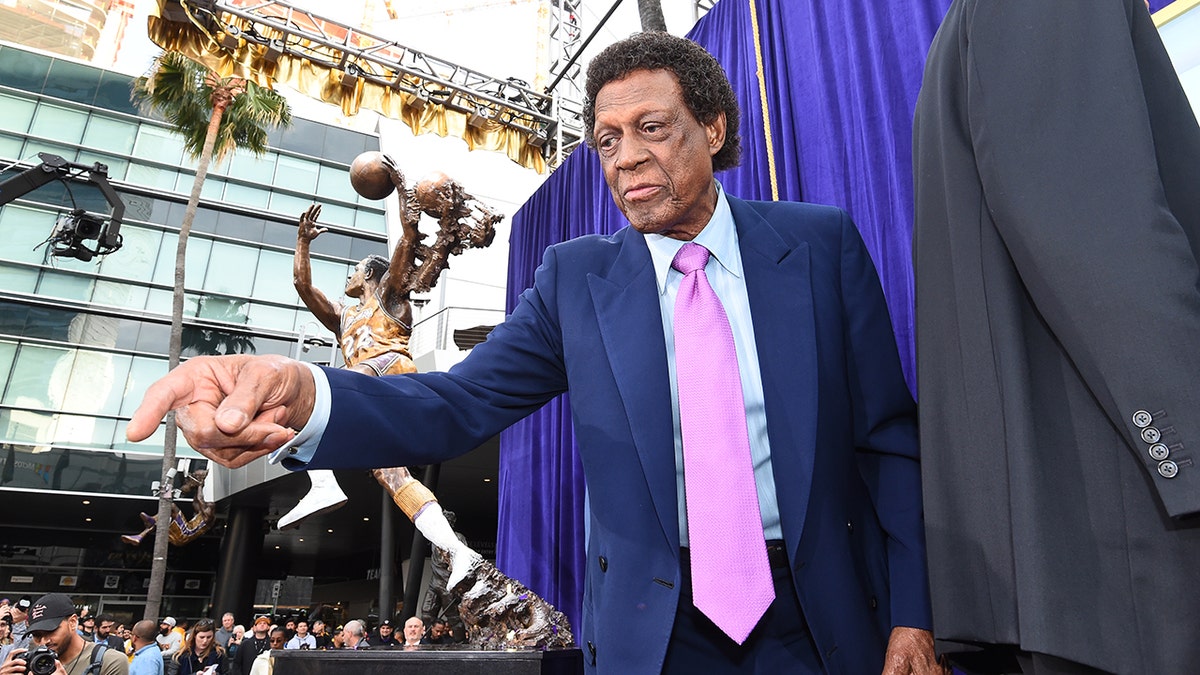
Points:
(463, 559)
(325, 495)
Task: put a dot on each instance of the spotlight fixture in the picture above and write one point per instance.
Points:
(478, 118)
(231, 38)
(275, 49)
(350, 75)
(419, 99)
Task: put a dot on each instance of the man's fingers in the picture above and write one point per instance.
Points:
(161, 397)
(235, 458)
(249, 395)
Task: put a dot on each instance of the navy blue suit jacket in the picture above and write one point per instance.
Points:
(840, 419)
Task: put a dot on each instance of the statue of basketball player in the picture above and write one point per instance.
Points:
(374, 333)
(183, 531)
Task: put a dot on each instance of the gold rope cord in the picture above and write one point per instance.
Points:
(762, 95)
(324, 83)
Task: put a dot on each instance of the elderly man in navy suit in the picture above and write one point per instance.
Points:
(824, 433)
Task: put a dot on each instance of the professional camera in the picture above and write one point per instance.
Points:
(40, 661)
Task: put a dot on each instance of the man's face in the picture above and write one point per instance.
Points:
(437, 630)
(302, 628)
(354, 284)
(164, 628)
(385, 630)
(318, 627)
(227, 622)
(277, 640)
(260, 630)
(657, 157)
(413, 628)
(290, 625)
(202, 640)
(104, 629)
(59, 638)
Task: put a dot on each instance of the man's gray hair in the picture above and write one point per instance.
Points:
(356, 627)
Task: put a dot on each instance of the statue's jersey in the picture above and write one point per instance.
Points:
(370, 332)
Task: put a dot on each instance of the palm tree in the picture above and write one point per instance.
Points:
(216, 115)
(212, 340)
(651, 14)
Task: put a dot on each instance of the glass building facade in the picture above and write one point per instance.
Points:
(81, 341)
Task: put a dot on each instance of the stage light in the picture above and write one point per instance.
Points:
(231, 38)
(419, 100)
(350, 75)
(478, 118)
(275, 49)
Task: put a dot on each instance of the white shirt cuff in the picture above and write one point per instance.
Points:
(298, 452)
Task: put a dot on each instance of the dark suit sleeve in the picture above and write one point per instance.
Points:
(1065, 140)
(431, 417)
(885, 430)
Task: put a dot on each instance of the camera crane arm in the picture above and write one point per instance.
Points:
(52, 168)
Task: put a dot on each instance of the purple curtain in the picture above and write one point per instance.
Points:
(841, 83)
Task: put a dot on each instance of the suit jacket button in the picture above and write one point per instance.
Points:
(850, 525)
(874, 603)
(1142, 419)
(1159, 452)
(603, 564)
(1168, 469)
(1151, 435)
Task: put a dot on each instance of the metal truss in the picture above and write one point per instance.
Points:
(280, 28)
(566, 36)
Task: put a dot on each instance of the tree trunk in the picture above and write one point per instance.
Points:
(158, 569)
(651, 14)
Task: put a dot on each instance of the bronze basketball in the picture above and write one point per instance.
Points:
(369, 176)
(431, 190)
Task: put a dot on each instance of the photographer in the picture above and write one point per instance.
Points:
(54, 639)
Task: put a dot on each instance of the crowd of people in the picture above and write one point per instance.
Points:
(183, 647)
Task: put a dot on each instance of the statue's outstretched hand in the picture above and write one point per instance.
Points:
(307, 228)
(232, 409)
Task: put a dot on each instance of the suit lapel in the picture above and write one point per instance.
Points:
(778, 282)
(627, 308)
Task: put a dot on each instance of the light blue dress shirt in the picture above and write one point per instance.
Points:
(147, 661)
(724, 272)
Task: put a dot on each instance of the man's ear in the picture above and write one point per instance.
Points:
(715, 133)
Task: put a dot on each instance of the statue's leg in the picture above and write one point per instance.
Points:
(422, 508)
(324, 495)
(136, 539)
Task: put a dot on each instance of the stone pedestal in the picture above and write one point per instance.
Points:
(428, 661)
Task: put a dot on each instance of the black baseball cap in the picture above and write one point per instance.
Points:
(49, 611)
(385, 622)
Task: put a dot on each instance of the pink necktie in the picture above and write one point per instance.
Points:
(731, 577)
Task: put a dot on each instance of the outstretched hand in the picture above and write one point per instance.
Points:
(231, 409)
(307, 228)
(910, 651)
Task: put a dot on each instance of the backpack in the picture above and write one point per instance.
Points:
(97, 657)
